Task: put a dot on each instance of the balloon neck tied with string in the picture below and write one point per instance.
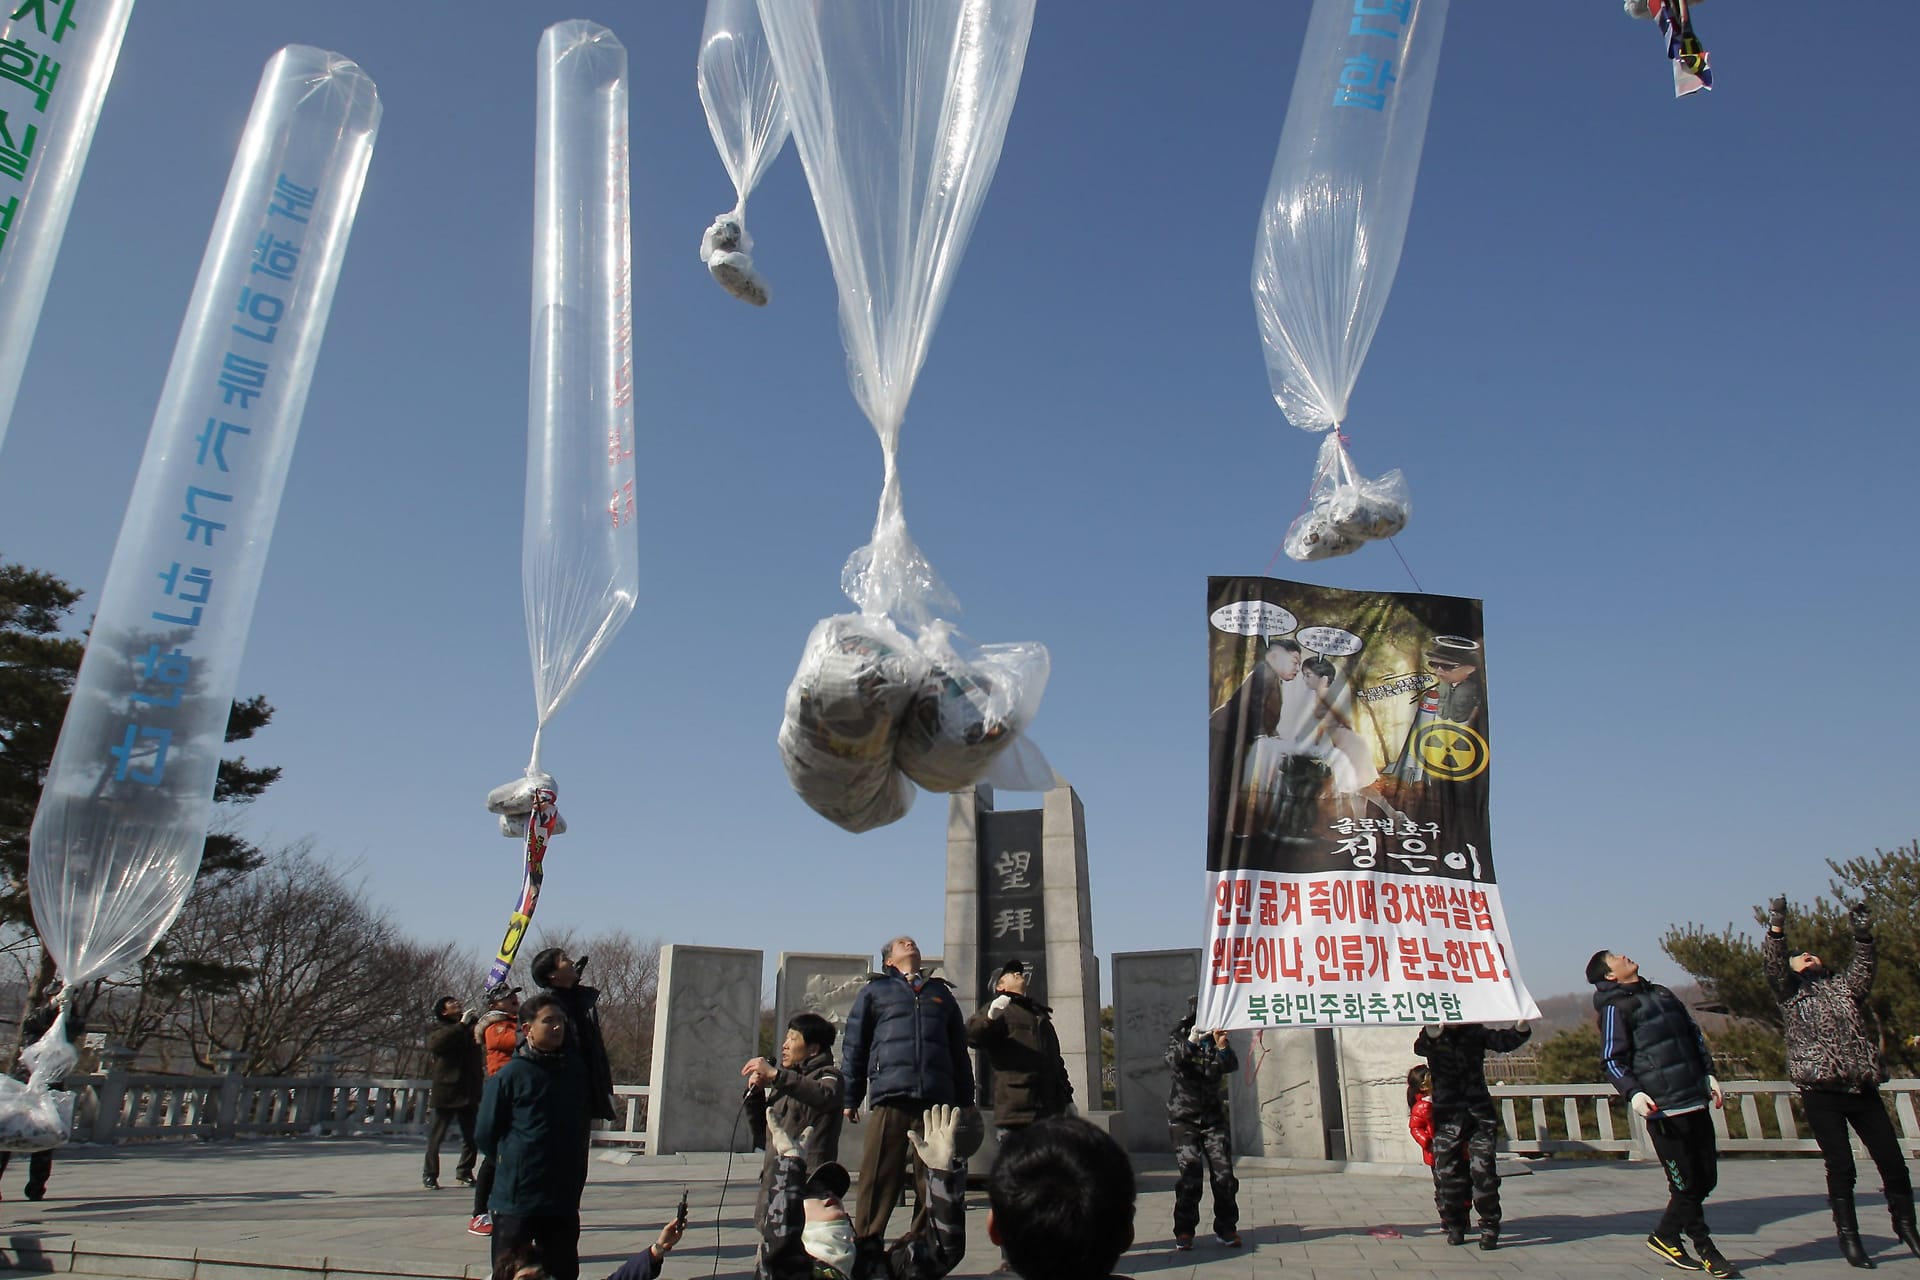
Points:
(893, 695)
(1329, 241)
(748, 119)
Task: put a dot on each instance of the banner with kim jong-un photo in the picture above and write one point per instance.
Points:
(1350, 868)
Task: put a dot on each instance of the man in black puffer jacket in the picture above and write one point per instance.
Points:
(906, 1049)
(1654, 1054)
(1833, 1055)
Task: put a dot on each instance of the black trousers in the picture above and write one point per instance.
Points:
(556, 1235)
(1463, 1167)
(437, 1131)
(482, 1185)
(39, 1169)
(1690, 1156)
(1829, 1114)
(1209, 1149)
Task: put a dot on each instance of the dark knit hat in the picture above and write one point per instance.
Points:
(1597, 968)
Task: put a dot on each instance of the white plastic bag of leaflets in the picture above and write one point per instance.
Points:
(116, 841)
(1330, 236)
(748, 118)
(899, 113)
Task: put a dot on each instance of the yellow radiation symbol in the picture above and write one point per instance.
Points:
(1452, 752)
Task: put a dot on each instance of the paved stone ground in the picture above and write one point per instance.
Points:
(354, 1209)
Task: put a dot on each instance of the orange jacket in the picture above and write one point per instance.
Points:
(498, 1033)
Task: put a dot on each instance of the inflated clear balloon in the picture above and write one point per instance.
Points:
(123, 815)
(899, 113)
(54, 122)
(580, 550)
(745, 110)
(1335, 217)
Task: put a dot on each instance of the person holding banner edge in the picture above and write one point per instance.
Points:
(1201, 1062)
(1833, 1057)
(1465, 1129)
(1653, 1053)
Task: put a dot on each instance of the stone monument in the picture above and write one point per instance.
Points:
(706, 1023)
(1017, 889)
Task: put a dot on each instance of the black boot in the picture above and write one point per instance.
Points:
(1847, 1228)
(1900, 1208)
(1489, 1235)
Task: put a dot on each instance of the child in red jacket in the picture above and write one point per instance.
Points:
(1420, 1109)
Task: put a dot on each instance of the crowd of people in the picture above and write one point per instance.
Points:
(1061, 1192)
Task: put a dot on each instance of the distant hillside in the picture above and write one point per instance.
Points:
(1575, 1009)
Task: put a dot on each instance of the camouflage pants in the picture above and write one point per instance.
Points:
(1211, 1149)
(1463, 1169)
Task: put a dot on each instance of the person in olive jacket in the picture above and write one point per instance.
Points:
(457, 1071)
(533, 1124)
(1654, 1055)
(1833, 1056)
(1016, 1033)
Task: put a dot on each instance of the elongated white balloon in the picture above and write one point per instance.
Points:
(117, 839)
(899, 112)
(59, 60)
(1335, 216)
(580, 551)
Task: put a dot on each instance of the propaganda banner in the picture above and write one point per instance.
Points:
(1350, 863)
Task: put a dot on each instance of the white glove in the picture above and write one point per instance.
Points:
(936, 1147)
(998, 1008)
(785, 1143)
(1643, 1105)
(1434, 1030)
(1196, 1036)
(1713, 1090)
(1521, 1025)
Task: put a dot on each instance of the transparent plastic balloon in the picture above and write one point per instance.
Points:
(580, 551)
(1336, 209)
(53, 123)
(123, 815)
(899, 113)
(748, 118)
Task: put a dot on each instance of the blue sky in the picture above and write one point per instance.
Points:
(1644, 367)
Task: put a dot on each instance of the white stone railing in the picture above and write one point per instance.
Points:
(119, 1105)
(1760, 1116)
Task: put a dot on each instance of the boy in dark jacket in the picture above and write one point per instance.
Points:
(803, 1093)
(906, 1049)
(457, 1071)
(1465, 1128)
(806, 1234)
(533, 1122)
(557, 974)
(1833, 1055)
(1202, 1061)
(1016, 1033)
(1654, 1054)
